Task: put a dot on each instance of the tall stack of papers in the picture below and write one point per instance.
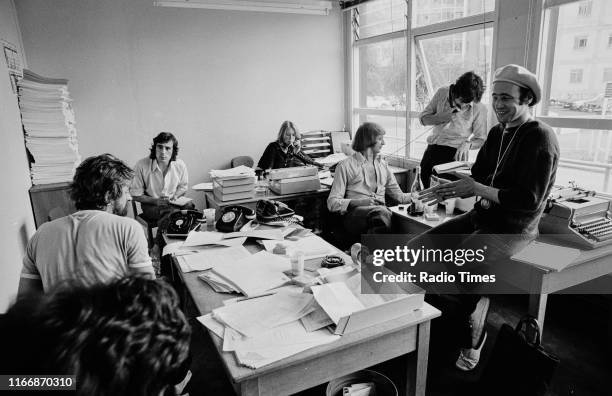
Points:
(232, 184)
(49, 126)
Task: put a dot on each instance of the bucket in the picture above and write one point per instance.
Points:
(384, 386)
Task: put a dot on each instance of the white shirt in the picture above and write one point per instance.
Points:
(149, 179)
(463, 124)
(89, 246)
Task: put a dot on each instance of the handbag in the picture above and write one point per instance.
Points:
(518, 364)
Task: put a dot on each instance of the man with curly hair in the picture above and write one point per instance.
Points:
(128, 337)
(95, 244)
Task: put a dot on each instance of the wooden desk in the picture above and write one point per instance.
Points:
(591, 264)
(318, 365)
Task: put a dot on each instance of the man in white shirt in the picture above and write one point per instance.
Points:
(160, 178)
(361, 182)
(94, 245)
(459, 123)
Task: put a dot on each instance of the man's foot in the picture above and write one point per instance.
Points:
(478, 319)
(469, 357)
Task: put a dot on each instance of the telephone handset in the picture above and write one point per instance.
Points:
(183, 221)
(234, 217)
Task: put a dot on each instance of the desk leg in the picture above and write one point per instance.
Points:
(537, 308)
(249, 388)
(417, 376)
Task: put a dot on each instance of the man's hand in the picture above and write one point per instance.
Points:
(371, 201)
(463, 152)
(462, 188)
(163, 201)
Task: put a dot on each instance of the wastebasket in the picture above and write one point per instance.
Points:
(384, 386)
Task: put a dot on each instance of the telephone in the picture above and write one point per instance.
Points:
(234, 217)
(183, 221)
(269, 210)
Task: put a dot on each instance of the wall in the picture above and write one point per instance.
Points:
(222, 81)
(16, 222)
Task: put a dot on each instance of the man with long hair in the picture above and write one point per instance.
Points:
(95, 244)
(160, 178)
(127, 337)
(361, 182)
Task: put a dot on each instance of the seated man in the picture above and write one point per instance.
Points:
(513, 174)
(361, 182)
(127, 337)
(95, 244)
(160, 178)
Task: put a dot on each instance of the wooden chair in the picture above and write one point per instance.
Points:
(242, 160)
(148, 223)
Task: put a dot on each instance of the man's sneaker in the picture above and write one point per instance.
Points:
(469, 357)
(478, 319)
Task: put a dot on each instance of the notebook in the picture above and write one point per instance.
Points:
(547, 256)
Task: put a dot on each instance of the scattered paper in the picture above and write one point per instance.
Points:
(181, 201)
(206, 186)
(199, 238)
(336, 300)
(210, 258)
(274, 234)
(212, 324)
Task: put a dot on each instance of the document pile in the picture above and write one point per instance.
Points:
(210, 258)
(232, 184)
(251, 276)
(264, 330)
(49, 126)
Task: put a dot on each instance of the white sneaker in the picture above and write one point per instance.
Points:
(478, 319)
(469, 357)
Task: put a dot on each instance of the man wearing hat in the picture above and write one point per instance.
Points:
(513, 174)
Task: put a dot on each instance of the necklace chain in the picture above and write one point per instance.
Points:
(500, 156)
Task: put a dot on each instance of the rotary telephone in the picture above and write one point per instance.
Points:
(234, 217)
(183, 221)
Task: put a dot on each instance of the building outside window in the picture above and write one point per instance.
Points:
(580, 42)
(577, 107)
(576, 76)
(403, 51)
(584, 8)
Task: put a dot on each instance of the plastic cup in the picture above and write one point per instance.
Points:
(209, 215)
(450, 206)
(297, 263)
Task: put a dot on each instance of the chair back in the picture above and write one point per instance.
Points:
(242, 160)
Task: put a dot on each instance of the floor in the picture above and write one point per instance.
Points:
(577, 330)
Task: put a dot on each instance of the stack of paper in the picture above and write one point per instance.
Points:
(255, 274)
(50, 128)
(232, 184)
(451, 166)
(267, 329)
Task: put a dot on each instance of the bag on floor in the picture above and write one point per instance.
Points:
(518, 364)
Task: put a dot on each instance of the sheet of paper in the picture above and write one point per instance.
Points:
(257, 273)
(255, 316)
(232, 172)
(181, 201)
(336, 300)
(547, 256)
(316, 320)
(206, 186)
(212, 324)
(199, 238)
(274, 234)
(312, 246)
(212, 257)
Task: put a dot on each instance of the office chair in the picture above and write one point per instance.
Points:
(149, 223)
(242, 160)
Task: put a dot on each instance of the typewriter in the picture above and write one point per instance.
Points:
(578, 216)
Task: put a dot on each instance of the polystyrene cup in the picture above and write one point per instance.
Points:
(450, 206)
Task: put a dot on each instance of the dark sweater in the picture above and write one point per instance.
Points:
(274, 157)
(524, 177)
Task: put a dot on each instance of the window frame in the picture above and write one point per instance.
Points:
(354, 112)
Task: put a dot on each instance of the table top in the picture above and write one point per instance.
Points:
(207, 299)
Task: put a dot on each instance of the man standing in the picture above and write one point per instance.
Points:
(160, 178)
(459, 123)
(513, 174)
(95, 244)
(361, 182)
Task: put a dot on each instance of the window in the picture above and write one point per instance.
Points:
(576, 107)
(607, 74)
(397, 68)
(580, 42)
(584, 8)
(576, 76)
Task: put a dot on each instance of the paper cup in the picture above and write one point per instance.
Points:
(297, 263)
(209, 215)
(450, 206)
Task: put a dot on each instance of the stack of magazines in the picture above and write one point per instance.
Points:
(49, 127)
(232, 184)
